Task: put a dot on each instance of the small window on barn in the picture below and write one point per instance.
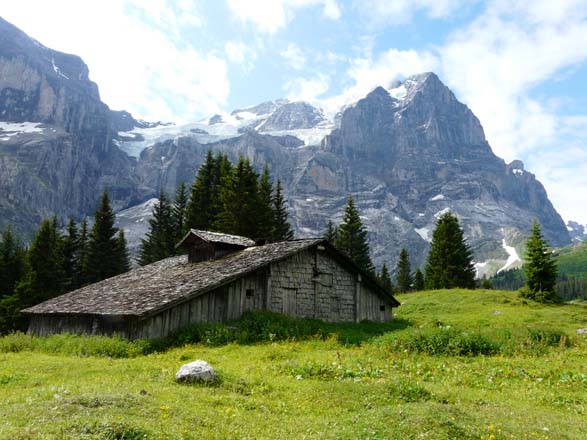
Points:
(382, 308)
(250, 293)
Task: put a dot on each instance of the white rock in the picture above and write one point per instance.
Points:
(197, 371)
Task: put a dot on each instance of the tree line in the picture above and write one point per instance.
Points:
(227, 198)
(57, 262)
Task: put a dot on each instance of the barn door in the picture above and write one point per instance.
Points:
(290, 302)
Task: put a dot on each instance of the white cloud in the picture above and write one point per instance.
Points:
(294, 56)
(269, 16)
(307, 89)
(402, 11)
(238, 52)
(368, 73)
(137, 60)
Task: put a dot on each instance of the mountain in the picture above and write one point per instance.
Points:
(577, 231)
(407, 153)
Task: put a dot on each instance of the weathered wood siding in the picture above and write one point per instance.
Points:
(226, 303)
(312, 284)
(45, 325)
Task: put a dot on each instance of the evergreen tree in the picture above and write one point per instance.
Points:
(385, 279)
(449, 262)
(418, 281)
(404, 272)
(104, 260)
(160, 239)
(12, 264)
(266, 214)
(240, 201)
(121, 253)
(68, 255)
(352, 238)
(82, 276)
(203, 206)
(540, 269)
(331, 233)
(179, 213)
(282, 230)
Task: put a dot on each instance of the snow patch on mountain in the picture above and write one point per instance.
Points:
(512, 256)
(423, 232)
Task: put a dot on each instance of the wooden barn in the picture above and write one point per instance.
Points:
(222, 277)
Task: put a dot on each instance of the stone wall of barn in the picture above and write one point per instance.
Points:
(312, 284)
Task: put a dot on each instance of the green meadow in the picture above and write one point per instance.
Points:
(455, 364)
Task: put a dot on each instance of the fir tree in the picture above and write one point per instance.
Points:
(69, 255)
(12, 264)
(450, 262)
(103, 248)
(179, 212)
(418, 280)
(160, 239)
(282, 230)
(352, 238)
(540, 269)
(405, 278)
(331, 233)
(240, 201)
(385, 279)
(82, 276)
(121, 253)
(266, 215)
(202, 209)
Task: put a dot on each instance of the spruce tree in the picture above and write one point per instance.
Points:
(450, 262)
(385, 279)
(103, 248)
(540, 269)
(82, 276)
(69, 255)
(266, 214)
(352, 238)
(179, 212)
(160, 239)
(331, 233)
(404, 272)
(282, 230)
(203, 206)
(12, 264)
(240, 201)
(418, 280)
(121, 253)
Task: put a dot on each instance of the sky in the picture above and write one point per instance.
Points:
(520, 66)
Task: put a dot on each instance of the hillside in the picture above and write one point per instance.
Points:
(572, 273)
(407, 383)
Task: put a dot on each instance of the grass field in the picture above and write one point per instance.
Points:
(458, 365)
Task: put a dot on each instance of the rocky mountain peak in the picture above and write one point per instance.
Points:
(293, 116)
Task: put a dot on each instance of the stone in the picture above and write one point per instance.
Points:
(196, 371)
(582, 331)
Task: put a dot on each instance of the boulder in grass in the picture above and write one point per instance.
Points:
(582, 331)
(197, 371)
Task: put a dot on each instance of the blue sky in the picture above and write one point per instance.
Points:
(520, 66)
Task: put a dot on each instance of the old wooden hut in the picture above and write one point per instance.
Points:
(222, 277)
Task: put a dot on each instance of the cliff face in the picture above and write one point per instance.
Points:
(56, 144)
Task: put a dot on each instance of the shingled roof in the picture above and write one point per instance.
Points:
(148, 289)
(215, 237)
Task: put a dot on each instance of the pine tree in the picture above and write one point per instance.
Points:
(385, 279)
(282, 230)
(418, 281)
(103, 248)
(449, 262)
(203, 206)
(179, 212)
(405, 278)
(121, 253)
(352, 238)
(540, 269)
(160, 239)
(240, 201)
(12, 264)
(331, 233)
(82, 276)
(266, 214)
(69, 255)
